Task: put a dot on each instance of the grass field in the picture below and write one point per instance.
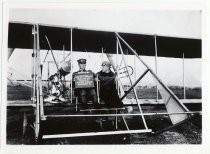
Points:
(150, 92)
(25, 93)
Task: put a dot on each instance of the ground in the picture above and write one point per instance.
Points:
(188, 132)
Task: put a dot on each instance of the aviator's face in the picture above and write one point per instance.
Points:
(105, 68)
(82, 66)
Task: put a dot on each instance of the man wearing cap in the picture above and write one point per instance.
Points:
(108, 91)
(83, 93)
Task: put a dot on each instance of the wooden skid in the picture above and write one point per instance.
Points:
(96, 133)
(121, 114)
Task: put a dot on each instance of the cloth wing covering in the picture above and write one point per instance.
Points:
(20, 36)
(172, 104)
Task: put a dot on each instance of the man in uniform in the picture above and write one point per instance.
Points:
(84, 93)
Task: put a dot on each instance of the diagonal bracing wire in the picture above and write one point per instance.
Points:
(51, 52)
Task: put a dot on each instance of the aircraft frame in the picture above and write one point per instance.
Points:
(177, 112)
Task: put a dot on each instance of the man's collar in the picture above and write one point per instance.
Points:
(80, 70)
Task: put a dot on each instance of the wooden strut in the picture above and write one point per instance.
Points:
(184, 89)
(117, 68)
(97, 89)
(105, 109)
(48, 76)
(34, 64)
(121, 114)
(40, 76)
(97, 133)
(156, 67)
(134, 84)
(37, 110)
(71, 74)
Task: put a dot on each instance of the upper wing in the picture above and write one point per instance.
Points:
(20, 36)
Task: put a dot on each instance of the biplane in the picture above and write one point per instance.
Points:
(38, 37)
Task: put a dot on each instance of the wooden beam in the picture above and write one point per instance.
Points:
(96, 133)
(105, 109)
(134, 84)
(122, 114)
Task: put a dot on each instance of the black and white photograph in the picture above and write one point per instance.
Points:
(103, 75)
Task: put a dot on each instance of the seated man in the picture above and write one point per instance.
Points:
(82, 88)
(108, 91)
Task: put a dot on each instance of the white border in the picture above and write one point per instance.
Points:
(180, 5)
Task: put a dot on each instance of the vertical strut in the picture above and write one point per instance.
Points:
(184, 92)
(34, 64)
(64, 55)
(48, 76)
(37, 111)
(39, 75)
(134, 61)
(97, 89)
(156, 68)
(71, 78)
(117, 67)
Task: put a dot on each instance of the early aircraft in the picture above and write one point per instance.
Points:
(51, 37)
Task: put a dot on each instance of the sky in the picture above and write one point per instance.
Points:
(174, 23)
(182, 23)
(170, 70)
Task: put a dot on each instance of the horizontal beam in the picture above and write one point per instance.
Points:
(123, 114)
(43, 24)
(105, 109)
(22, 103)
(96, 133)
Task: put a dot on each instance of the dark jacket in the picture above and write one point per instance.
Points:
(108, 92)
(107, 80)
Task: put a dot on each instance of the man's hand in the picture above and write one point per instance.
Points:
(96, 79)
